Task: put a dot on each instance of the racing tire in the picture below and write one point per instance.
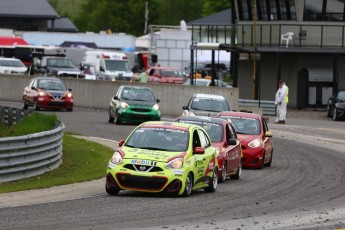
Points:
(117, 119)
(328, 112)
(188, 185)
(222, 177)
(270, 162)
(110, 118)
(70, 109)
(238, 174)
(112, 190)
(36, 106)
(335, 118)
(212, 186)
(262, 164)
(25, 106)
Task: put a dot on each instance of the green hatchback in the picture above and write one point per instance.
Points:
(134, 104)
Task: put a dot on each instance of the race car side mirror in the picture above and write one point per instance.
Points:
(268, 134)
(199, 150)
(121, 142)
(231, 142)
(185, 107)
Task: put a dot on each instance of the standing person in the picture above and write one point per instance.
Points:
(281, 101)
(142, 77)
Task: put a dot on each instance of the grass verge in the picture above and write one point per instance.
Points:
(33, 123)
(82, 160)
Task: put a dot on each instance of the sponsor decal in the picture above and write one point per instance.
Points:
(141, 162)
(210, 166)
(178, 172)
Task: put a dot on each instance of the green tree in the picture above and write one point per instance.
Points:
(214, 6)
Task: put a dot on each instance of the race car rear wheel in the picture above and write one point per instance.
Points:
(188, 185)
(335, 118)
(238, 174)
(25, 106)
(117, 119)
(223, 175)
(213, 182)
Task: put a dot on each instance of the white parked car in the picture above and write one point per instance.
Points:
(207, 82)
(12, 66)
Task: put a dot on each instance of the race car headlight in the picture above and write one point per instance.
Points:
(124, 105)
(175, 163)
(69, 94)
(155, 107)
(255, 143)
(42, 94)
(116, 158)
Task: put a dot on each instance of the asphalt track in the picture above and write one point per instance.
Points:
(303, 189)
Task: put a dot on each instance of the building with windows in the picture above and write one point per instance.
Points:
(299, 41)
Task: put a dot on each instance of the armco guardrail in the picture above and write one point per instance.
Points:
(11, 116)
(268, 107)
(30, 155)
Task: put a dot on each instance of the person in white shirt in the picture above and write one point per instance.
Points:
(281, 101)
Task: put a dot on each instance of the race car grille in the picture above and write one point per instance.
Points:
(139, 117)
(57, 103)
(143, 168)
(142, 110)
(141, 182)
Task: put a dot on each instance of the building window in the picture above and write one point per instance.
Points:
(334, 10)
(267, 10)
(329, 10)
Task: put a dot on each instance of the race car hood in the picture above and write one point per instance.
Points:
(204, 113)
(139, 103)
(148, 154)
(174, 80)
(67, 70)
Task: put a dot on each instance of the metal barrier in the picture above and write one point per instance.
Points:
(268, 107)
(30, 155)
(11, 116)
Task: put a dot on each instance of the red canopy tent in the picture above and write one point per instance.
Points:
(12, 41)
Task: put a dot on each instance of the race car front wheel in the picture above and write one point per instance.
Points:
(188, 185)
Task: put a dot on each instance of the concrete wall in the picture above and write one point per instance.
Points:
(291, 63)
(97, 94)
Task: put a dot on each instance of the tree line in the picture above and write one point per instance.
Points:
(130, 16)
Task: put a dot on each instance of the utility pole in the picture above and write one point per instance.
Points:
(254, 49)
(146, 17)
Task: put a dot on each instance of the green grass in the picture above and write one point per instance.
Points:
(33, 123)
(82, 160)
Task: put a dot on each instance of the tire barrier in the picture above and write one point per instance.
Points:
(30, 155)
(11, 116)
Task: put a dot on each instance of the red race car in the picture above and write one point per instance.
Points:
(47, 92)
(255, 137)
(224, 139)
(165, 75)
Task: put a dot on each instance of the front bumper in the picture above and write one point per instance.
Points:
(157, 180)
(252, 158)
(139, 114)
(44, 102)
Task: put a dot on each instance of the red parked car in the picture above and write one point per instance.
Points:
(224, 139)
(255, 137)
(47, 92)
(165, 75)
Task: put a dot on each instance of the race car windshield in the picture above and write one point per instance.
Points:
(244, 125)
(138, 94)
(209, 104)
(51, 85)
(159, 139)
